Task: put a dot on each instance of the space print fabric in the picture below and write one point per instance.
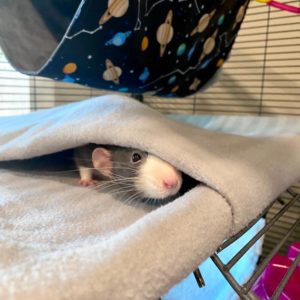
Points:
(170, 48)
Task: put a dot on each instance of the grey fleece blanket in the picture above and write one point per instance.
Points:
(62, 241)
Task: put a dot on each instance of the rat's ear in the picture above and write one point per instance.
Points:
(101, 159)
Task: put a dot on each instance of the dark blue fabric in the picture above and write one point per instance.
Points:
(166, 47)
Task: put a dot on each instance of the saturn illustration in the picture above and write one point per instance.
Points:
(209, 45)
(203, 22)
(112, 73)
(195, 84)
(240, 15)
(165, 33)
(115, 8)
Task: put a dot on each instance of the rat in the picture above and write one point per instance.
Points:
(136, 171)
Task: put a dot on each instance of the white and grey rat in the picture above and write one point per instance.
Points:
(138, 171)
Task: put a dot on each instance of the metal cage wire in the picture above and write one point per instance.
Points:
(244, 291)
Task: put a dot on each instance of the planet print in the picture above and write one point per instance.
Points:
(145, 43)
(221, 20)
(112, 73)
(69, 68)
(118, 39)
(165, 33)
(172, 79)
(68, 79)
(203, 23)
(175, 89)
(181, 49)
(209, 45)
(220, 63)
(144, 76)
(116, 8)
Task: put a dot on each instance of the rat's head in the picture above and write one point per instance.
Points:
(147, 174)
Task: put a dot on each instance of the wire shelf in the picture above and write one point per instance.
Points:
(245, 291)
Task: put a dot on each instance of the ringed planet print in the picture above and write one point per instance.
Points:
(165, 33)
(112, 73)
(116, 8)
(160, 47)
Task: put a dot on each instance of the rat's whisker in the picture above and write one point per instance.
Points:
(133, 197)
(125, 177)
(104, 185)
(55, 172)
(124, 180)
(127, 187)
(101, 186)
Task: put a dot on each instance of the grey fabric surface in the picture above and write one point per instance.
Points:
(60, 241)
(21, 27)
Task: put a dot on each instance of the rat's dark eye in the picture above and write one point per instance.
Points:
(136, 157)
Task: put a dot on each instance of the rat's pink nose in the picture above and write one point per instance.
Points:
(170, 183)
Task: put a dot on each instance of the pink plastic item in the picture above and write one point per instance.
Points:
(294, 250)
(274, 273)
(282, 6)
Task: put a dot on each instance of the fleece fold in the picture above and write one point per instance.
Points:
(62, 241)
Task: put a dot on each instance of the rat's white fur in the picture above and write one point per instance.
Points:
(85, 173)
(151, 176)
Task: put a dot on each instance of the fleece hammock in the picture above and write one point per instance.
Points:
(164, 47)
(63, 241)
